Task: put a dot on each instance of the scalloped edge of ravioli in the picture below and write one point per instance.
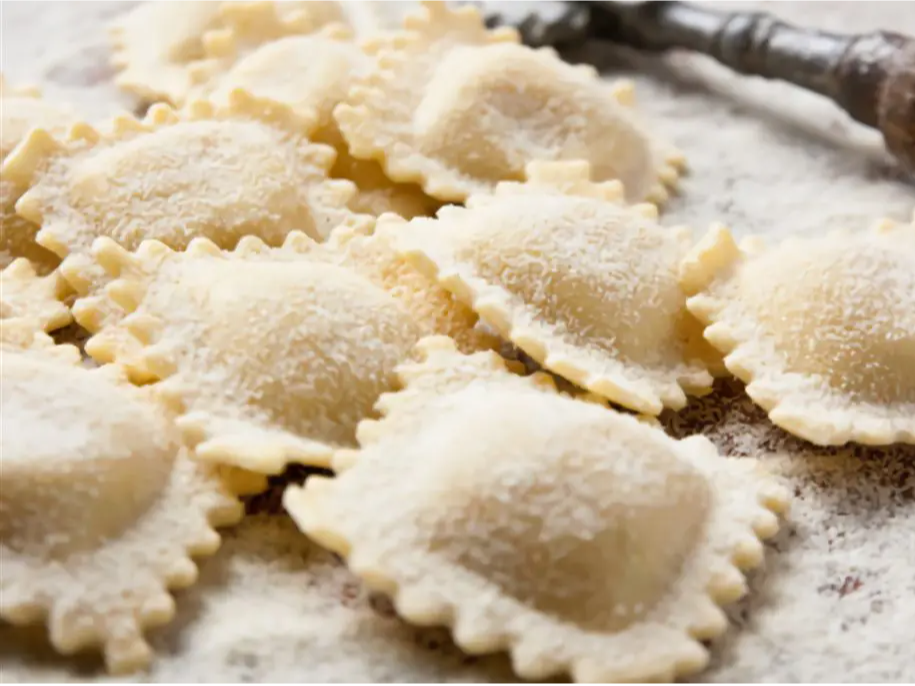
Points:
(156, 45)
(743, 512)
(246, 27)
(178, 521)
(18, 235)
(68, 232)
(289, 85)
(150, 55)
(24, 294)
(425, 243)
(377, 117)
(799, 402)
(143, 340)
(216, 77)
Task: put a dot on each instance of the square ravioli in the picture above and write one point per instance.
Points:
(580, 539)
(101, 506)
(457, 108)
(273, 355)
(583, 283)
(822, 329)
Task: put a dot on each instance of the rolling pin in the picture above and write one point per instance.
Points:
(870, 75)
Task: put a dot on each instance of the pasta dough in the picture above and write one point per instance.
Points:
(153, 44)
(253, 34)
(100, 507)
(18, 334)
(21, 109)
(433, 308)
(26, 296)
(580, 539)
(274, 355)
(821, 329)
(458, 108)
(161, 48)
(262, 44)
(223, 173)
(587, 286)
(311, 74)
(220, 173)
(364, 19)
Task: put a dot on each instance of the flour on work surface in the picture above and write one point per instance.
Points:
(272, 605)
(766, 159)
(836, 584)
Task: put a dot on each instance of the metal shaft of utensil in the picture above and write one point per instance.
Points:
(871, 76)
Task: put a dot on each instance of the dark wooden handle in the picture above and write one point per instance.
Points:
(896, 107)
(871, 76)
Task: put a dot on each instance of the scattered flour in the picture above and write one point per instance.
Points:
(836, 598)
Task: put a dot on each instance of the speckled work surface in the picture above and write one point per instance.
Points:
(836, 598)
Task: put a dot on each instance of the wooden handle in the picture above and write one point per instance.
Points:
(896, 107)
(871, 76)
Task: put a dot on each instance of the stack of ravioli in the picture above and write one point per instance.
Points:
(428, 260)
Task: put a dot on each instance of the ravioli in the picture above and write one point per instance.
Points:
(153, 43)
(273, 355)
(244, 43)
(821, 329)
(100, 508)
(433, 308)
(220, 173)
(28, 297)
(579, 539)
(311, 74)
(364, 19)
(257, 44)
(457, 108)
(376, 194)
(163, 50)
(22, 109)
(18, 334)
(585, 285)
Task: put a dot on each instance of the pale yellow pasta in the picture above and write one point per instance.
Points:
(100, 508)
(363, 19)
(273, 354)
(164, 50)
(432, 307)
(26, 296)
(310, 74)
(585, 285)
(258, 42)
(244, 51)
(153, 44)
(457, 108)
(22, 109)
(821, 329)
(19, 334)
(579, 539)
(376, 193)
(223, 173)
